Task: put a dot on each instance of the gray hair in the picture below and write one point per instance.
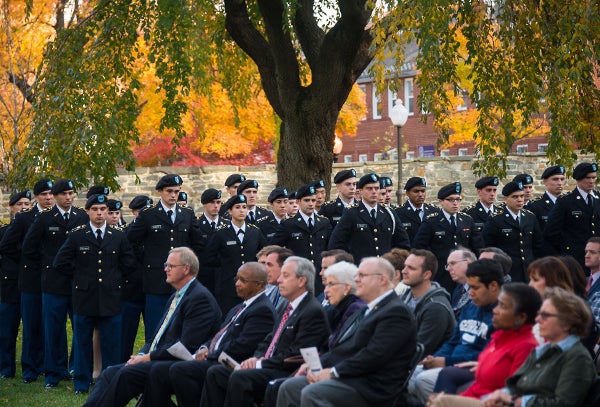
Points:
(383, 266)
(345, 273)
(304, 268)
(188, 257)
(467, 254)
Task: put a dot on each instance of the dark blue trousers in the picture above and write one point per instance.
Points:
(56, 353)
(32, 355)
(10, 316)
(130, 321)
(154, 310)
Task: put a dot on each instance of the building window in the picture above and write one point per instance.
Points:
(363, 89)
(409, 97)
(522, 149)
(362, 158)
(542, 148)
(392, 99)
(465, 100)
(377, 104)
(348, 158)
(378, 157)
(445, 153)
(463, 151)
(410, 155)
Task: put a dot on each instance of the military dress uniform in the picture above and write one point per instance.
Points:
(333, 210)
(206, 274)
(97, 268)
(43, 240)
(411, 219)
(10, 314)
(541, 207)
(479, 214)
(359, 235)
(268, 225)
(437, 235)
(521, 240)
(225, 253)
(305, 242)
(153, 235)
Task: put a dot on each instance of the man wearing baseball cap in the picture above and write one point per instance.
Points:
(576, 216)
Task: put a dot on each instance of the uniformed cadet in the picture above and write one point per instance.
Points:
(44, 238)
(576, 216)
(182, 198)
(231, 246)
(232, 183)
(208, 222)
(97, 190)
(96, 257)
(345, 183)
(527, 181)
(249, 188)
(292, 205)
(278, 199)
(385, 191)
(113, 215)
(516, 231)
(414, 210)
(157, 230)
(483, 210)
(366, 228)
(29, 282)
(444, 230)
(554, 181)
(306, 234)
(10, 299)
(138, 203)
(321, 193)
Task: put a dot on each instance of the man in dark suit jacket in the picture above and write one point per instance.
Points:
(368, 229)
(157, 230)
(244, 327)
(43, 240)
(371, 358)
(191, 317)
(29, 282)
(415, 209)
(97, 258)
(303, 324)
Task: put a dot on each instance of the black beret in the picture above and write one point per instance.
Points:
(62, 185)
(249, 183)
(42, 185)
(236, 199)
(367, 179)
(97, 189)
(415, 182)
(140, 202)
(526, 179)
(96, 199)
(14, 198)
(183, 196)
(487, 182)
(210, 195)
(169, 180)
(344, 175)
(385, 182)
(305, 190)
(277, 193)
(319, 183)
(584, 169)
(114, 205)
(234, 179)
(511, 187)
(554, 170)
(450, 189)
(292, 195)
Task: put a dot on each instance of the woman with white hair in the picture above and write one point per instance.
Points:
(340, 290)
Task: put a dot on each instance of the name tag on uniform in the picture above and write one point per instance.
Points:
(155, 227)
(84, 248)
(440, 233)
(231, 242)
(361, 225)
(53, 228)
(544, 217)
(407, 225)
(296, 235)
(576, 213)
(506, 230)
(478, 225)
(336, 218)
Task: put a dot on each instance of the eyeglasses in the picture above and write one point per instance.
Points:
(170, 266)
(333, 284)
(360, 276)
(453, 200)
(545, 315)
(246, 280)
(452, 263)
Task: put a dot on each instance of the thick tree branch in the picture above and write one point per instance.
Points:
(21, 83)
(308, 31)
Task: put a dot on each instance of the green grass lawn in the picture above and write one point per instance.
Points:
(14, 393)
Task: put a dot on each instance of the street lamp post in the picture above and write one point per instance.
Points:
(399, 116)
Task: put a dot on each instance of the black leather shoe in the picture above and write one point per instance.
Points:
(80, 392)
(51, 386)
(28, 380)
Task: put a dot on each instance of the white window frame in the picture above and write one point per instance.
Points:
(363, 158)
(463, 151)
(445, 153)
(409, 96)
(348, 158)
(522, 148)
(410, 155)
(392, 99)
(376, 100)
(542, 147)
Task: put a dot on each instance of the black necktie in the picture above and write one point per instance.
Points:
(212, 225)
(66, 216)
(490, 213)
(373, 215)
(310, 224)
(170, 215)
(453, 223)
(99, 236)
(590, 201)
(251, 217)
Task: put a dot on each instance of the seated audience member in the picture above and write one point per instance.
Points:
(512, 342)
(500, 256)
(578, 276)
(244, 327)
(371, 358)
(472, 332)
(340, 290)
(302, 325)
(457, 263)
(191, 317)
(397, 257)
(429, 302)
(328, 258)
(556, 373)
(274, 260)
